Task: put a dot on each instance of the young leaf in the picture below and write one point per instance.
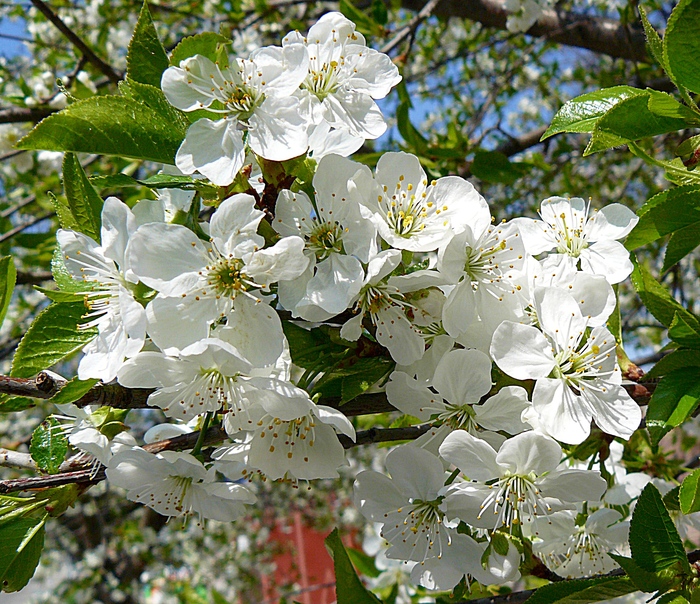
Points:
(630, 120)
(685, 330)
(8, 276)
(84, 201)
(348, 587)
(674, 399)
(49, 445)
(643, 579)
(681, 44)
(654, 540)
(206, 44)
(107, 125)
(21, 543)
(583, 591)
(654, 42)
(674, 360)
(146, 59)
(582, 113)
(73, 390)
(665, 213)
(655, 296)
(680, 244)
(493, 166)
(52, 336)
(689, 495)
(155, 99)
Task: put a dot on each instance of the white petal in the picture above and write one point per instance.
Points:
(463, 376)
(522, 351)
(474, 457)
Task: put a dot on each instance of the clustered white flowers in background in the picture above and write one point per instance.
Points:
(497, 331)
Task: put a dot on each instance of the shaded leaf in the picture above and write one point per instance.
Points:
(8, 276)
(348, 587)
(146, 59)
(49, 445)
(52, 336)
(84, 202)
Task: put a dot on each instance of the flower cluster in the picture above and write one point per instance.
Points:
(497, 331)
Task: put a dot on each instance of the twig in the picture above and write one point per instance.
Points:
(18, 206)
(44, 385)
(24, 278)
(13, 115)
(87, 52)
(18, 229)
(14, 459)
(410, 27)
(384, 435)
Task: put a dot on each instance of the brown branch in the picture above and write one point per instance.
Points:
(24, 278)
(74, 39)
(44, 385)
(13, 115)
(384, 435)
(18, 206)
(410, 27)
(601, 35)
(18, 229)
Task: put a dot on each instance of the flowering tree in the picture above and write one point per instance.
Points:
(258, 284)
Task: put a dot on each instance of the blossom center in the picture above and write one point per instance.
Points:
(513, 497)
(406, 212)
(227, 278)
(571, 238)
(325, 239)
(323, 79)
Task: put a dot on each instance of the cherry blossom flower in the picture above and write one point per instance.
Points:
(338, 239)
(288, 445)
(518, 482)
(576, 372)
(487, 265)
(177, 484)
(408, 504)
(411, 214)
(587, 242)
(383, 301)
(574, 551)
(110, 284)
(200, 283)
(344, 77)
(258, 109)
(462, 379)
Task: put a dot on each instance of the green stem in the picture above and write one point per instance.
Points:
(202, 433)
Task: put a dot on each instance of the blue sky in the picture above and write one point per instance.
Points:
(12, 28)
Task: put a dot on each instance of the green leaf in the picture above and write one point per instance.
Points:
(84, 202)
(630, 120)
(680, 244)
(408, 131)
(21, 543)
(665, 213)
(207, 44)
(363, 562)
(689, 495)
(348, 587)
(52, 336)
(655, 296)
(364, 374)
(643, 580)
(671, 499)
(62, 277)
(309, 347)
(674, 597)
(73, 390)
(654, 540)
(157, 181)
(65, 216)
(49, 445)
(583, 591)
(674, 400)
(365, 24)
(493, 166)
(13, 404)
(654, 43)
(146, 59)
(8, 276)
(685, 330)
(663, 104)
(675, 360)
(107, 125)
(155, 99)
(682, 44)
(582, 113)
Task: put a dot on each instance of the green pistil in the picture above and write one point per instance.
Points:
(326, 239)
(226, 277)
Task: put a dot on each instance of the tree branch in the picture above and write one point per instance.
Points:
(410, 27)
(19, 228)
(12, 115)
(601, 35)
(74, 39)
